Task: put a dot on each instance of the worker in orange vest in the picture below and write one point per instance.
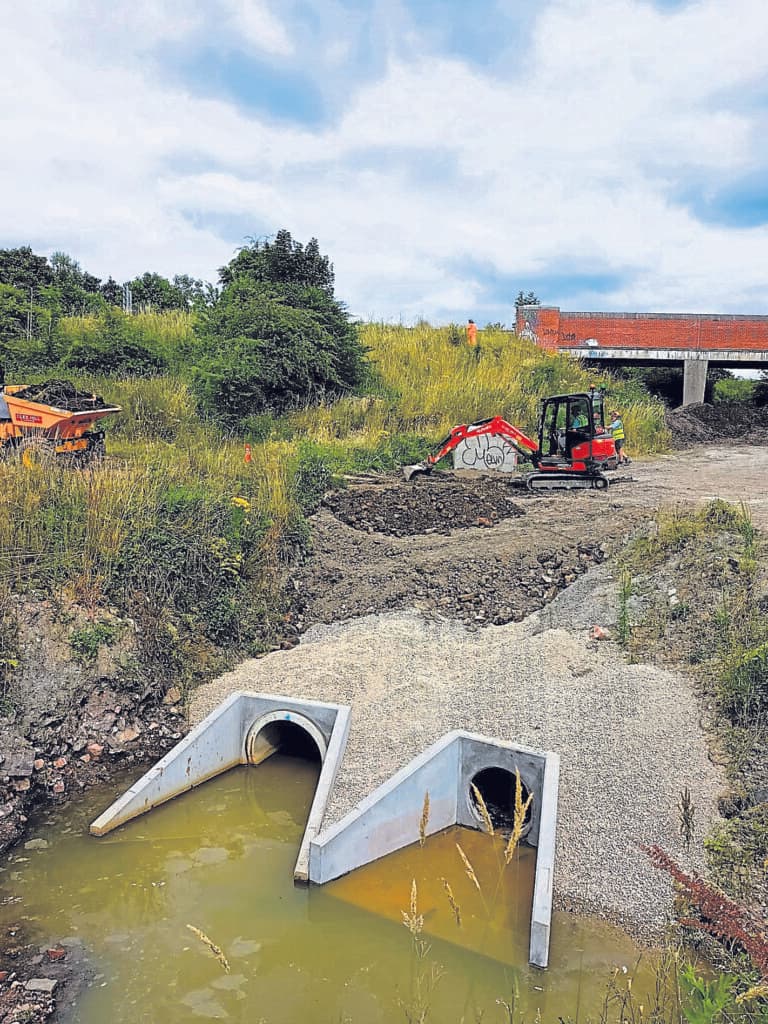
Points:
(472, 337)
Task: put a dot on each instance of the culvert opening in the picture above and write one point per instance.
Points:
(497, 788)
(286, 738)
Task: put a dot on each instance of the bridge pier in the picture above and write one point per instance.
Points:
(694, 380)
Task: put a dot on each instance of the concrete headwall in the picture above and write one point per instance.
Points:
(389, 818)
(478, 752)
(221, 741)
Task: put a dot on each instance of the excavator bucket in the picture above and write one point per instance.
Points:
(409, 472)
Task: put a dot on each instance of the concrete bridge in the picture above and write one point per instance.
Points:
(691, 340)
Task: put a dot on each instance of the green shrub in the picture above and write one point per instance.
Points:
(743, 684)
(114, 345)
(266, 350)
(85, 642)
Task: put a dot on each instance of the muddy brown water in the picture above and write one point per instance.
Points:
(221, 857)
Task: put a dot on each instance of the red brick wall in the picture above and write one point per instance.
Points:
(644, 330)
(541, 324)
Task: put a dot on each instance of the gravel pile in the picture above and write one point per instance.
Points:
(432, 504)
(627, 734)
(733, 421)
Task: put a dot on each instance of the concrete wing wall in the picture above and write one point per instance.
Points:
(213, 747)
(388, 819)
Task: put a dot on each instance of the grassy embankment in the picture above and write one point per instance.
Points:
(178, 533)
(702, 578)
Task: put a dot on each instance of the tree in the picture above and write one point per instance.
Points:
(21, 268)
(25, 331)
(112, 292)
(192, 291)
(760, 394)
(265, 348)
(527, 299)
(154, 292)
(275, 336)
(282, 261)
(78, 291)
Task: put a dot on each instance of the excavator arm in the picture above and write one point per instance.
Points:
(496, 426)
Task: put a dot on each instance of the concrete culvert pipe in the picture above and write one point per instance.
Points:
(293, 737)
(497, 787)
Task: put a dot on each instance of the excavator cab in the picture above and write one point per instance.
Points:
(572, 432)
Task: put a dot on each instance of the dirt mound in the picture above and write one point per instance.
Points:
(426, 505)
(726, 421)
(62, 394)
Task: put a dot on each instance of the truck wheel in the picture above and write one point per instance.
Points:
(96, 453)
(36, 451)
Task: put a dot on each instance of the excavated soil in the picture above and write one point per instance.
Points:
(731, 421)
(478, 575)
(429, 504)
(489, 577)
(62, 394)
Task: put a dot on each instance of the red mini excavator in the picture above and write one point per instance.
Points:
(574, 446)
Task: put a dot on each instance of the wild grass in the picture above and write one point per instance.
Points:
(168, 333)
(211, 945)
(154, 530)
(183, 538)
(424, 383)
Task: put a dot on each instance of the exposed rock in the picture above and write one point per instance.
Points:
(18, 755)
(599, 633)
(44, 985)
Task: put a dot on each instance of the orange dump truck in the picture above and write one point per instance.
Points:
(40, 421)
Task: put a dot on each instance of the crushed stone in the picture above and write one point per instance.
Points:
(628, 735)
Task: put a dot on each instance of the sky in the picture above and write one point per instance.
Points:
(606, 154)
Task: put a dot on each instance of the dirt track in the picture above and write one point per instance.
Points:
(506, 568)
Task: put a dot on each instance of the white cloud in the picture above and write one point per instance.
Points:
(569, 165)
(259, 26)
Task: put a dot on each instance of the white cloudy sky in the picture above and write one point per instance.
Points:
(608, 154)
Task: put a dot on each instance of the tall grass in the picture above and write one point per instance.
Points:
(168, 333)
(424, 383)
(163, 498)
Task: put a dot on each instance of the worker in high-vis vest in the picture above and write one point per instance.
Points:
(472, 337)
(616, 428)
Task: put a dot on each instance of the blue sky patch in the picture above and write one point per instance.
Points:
(250, 83)
(553, 287)
(742, 204)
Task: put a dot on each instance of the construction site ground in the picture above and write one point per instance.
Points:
(487, 627)
(480, 567)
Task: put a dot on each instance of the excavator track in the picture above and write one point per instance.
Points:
(566, 481)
